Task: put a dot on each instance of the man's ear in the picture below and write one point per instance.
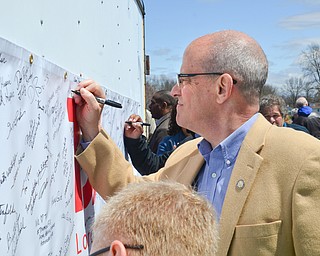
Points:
(225, 85)
(117, 248)
(164, 105)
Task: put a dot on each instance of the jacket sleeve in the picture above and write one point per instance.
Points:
(306, 207)
(143, 159)
(105, 165)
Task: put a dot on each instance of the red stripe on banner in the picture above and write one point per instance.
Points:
(83, 195)
(71, 110)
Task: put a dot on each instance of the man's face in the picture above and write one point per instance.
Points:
(195, 98)
(274, 116)
(155, 108)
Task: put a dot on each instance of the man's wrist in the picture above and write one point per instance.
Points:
(89, 135)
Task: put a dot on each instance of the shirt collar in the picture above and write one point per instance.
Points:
(230, 146)
(158, 121)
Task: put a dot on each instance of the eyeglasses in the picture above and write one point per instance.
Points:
(180, 81)
(127, 246)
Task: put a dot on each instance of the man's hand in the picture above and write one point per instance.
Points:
(134, 130)
(88, 110)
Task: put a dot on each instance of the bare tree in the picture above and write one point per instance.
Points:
(293, 88)
(161, 82)
(155, 83)
(268, 89)
(310, 63)
(150, 90)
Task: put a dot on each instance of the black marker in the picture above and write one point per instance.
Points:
(103, 101)
(141, 123)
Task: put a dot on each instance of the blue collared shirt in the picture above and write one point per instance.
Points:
(214, 176)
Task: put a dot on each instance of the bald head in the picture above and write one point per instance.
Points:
(235, 53)
(301, 101)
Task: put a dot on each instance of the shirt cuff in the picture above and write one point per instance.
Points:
(84, 144)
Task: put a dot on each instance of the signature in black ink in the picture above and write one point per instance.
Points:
(26, 179)
(68, 182)
(57, 119)
(33, 128)
(67, 240)
(27, 83)
(64, 149)
(67, 217)
(43, 188)
(5, 92)
(5, 210)
(56, 198)
(18, 168)
(43, 168)
(21, 86)
(6, 174)
(45, 232)
(56, 164)
(33, 197)
(14, 237)
(46, 145)
(67, 202)
(18, 117)
(33, 89)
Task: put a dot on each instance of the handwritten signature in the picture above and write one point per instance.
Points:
(14, 236)
(17, 119)
(5, 210)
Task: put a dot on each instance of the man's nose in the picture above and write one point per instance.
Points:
(175, 90)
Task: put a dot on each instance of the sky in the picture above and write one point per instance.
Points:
(283, 28)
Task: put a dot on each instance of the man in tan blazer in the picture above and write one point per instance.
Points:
(263, 181)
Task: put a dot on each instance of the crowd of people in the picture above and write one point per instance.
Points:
(275, 110)
(262, 180)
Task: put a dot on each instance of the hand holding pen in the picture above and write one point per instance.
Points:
(101, 100)
(134, 127)
(140, 123)
(88, 111)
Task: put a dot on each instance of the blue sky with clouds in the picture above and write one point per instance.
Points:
(282, 27)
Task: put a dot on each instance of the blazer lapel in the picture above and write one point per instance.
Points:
(192, 168)
(242, 178)
(187, 167)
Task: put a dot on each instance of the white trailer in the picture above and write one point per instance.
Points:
(46, 202)
(101, 39)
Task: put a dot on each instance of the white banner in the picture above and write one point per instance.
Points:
(46, 202)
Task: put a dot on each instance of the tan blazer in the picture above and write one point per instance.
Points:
(272, 204)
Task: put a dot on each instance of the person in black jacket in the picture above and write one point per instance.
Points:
(142, 157)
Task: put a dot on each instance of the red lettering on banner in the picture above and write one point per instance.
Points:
(85, 241)
(82, 245)
(86, 194)
(77, 242)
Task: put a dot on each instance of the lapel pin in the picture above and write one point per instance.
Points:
(240, 184)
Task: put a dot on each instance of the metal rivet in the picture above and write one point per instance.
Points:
(31, 59)
(213, 175)
(240, 184)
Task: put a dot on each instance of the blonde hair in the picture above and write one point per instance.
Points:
(167, 218)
